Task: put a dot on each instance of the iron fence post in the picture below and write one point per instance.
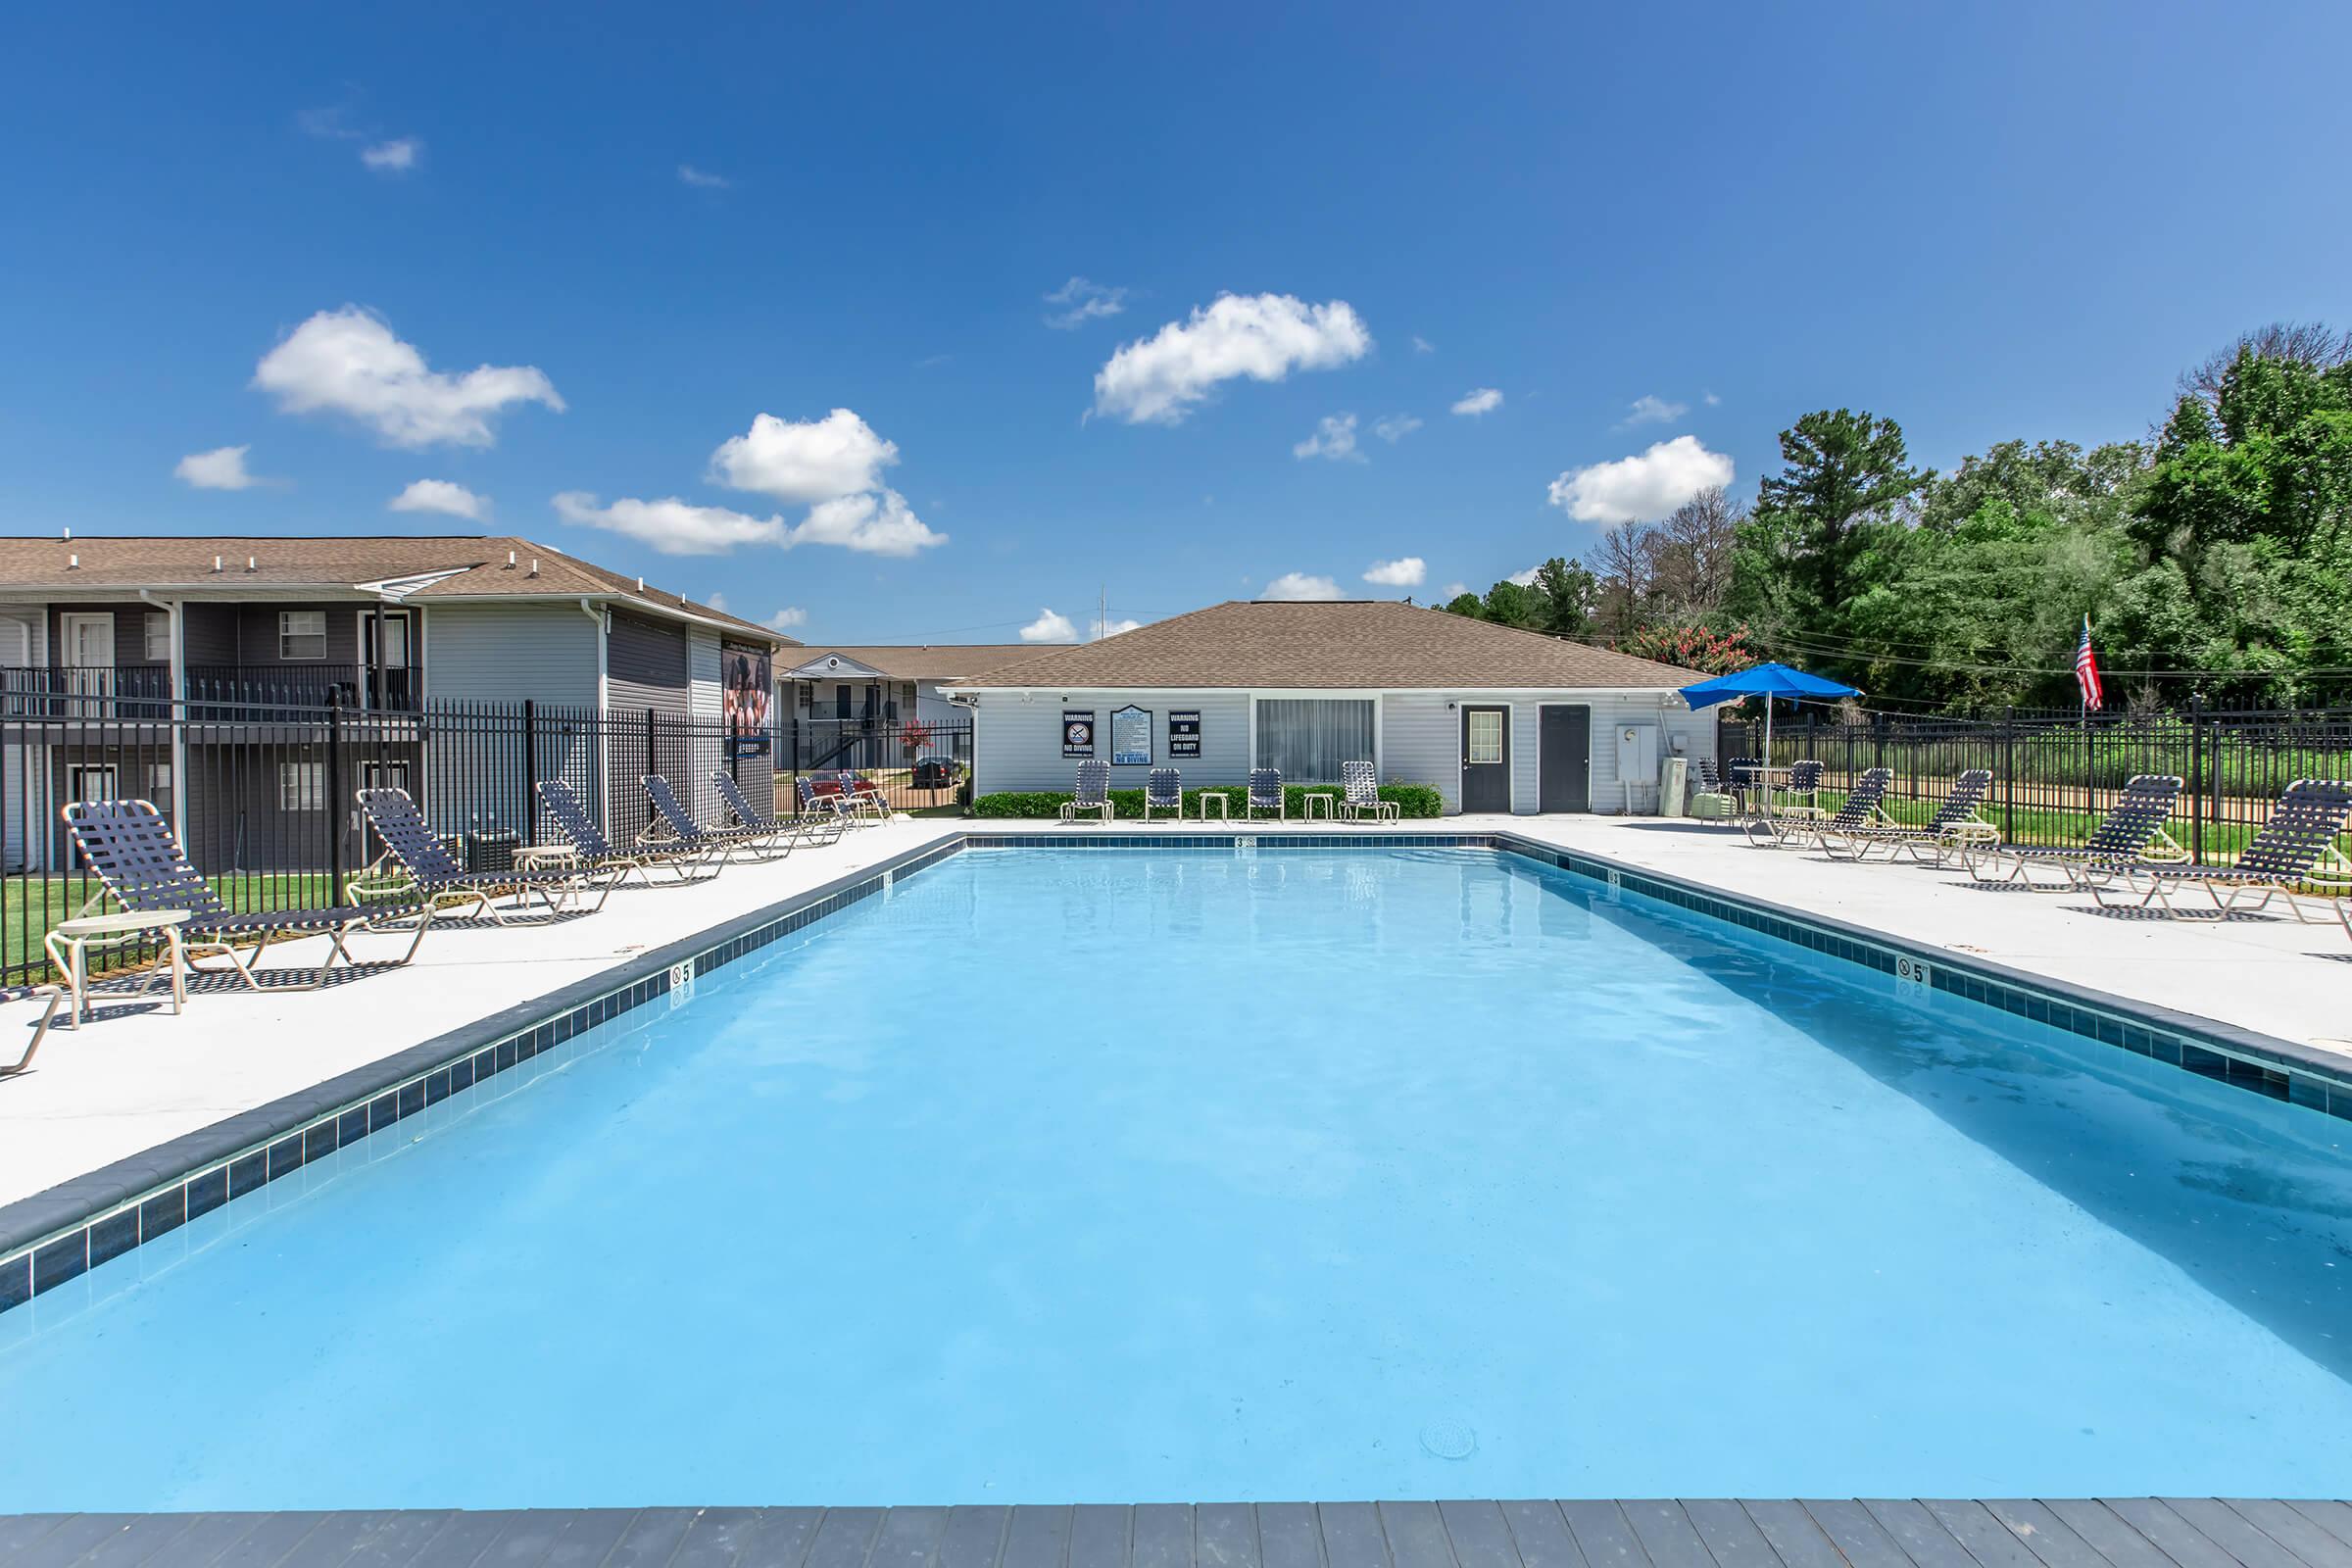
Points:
(530, 771)
(2009, 773)
(335, 809)
(2196, 777)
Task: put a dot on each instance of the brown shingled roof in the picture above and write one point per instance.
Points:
(334, 562)
(921, 660)
(1373, 645)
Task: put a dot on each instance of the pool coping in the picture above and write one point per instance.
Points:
(64, 1230)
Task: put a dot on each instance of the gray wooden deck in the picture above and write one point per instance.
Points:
(2111, 1532)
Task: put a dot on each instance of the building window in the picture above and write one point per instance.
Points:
(301, 786)
(159, 637)
(375, 775)
(302, 634)
(92, 781)
(1308, 738)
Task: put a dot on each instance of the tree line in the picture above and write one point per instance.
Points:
(2213, 557)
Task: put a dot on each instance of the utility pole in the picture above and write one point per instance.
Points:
(1101, 609)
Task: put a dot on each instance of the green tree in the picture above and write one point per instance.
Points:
(1844, 474)
(1566, 591)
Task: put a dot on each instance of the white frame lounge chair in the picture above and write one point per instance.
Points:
(1360, 798)
(1164, 791)
(2293, 849)
(1093, 793)
(1267, 795)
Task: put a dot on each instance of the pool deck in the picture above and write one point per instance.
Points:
(2119, 1533)
(138, 1077)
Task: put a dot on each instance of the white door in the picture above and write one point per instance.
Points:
(89, 652)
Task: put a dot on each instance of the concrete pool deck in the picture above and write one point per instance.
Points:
(140, 1077)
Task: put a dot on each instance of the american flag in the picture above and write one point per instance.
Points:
(2086, 669)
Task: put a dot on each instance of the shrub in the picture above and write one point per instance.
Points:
(1412, 800)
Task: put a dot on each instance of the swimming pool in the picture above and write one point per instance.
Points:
(1072, 1176)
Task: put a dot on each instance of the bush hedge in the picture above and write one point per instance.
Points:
(1412, 800)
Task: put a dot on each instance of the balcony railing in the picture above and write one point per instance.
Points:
(216, 691)
(82, 691)
(397, 689)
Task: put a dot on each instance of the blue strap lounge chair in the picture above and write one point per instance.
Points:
(1164, 791)
(131, 850)
(2133, 832)
(673, 830)
(1955, 824)
(2291, 859)
(1360, 797)
(1786, 829)
(1093, 793)
(861, 795)
(822, 828)
(1266, 794)
(595, 851)
(420, 860)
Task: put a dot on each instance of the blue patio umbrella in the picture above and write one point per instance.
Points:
(1767, 682)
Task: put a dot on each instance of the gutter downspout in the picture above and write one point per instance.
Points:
(173, 711)
(603, 708)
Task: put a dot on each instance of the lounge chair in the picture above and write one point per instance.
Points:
(2131, 832)
(809, 829)
(1164, 791)
(1093, 793)
(673, 830)
(423, 864)
(592, 851)
(1709, 801)
(1799, 795)
(1859, 809)
(861, 797)
(1265, 795)
(1359, 797)
(1954, 825)
(137, 860)
(2296, 846)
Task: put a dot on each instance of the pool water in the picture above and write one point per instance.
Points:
(1087, 1176)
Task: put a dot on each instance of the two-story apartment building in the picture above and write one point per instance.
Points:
(105, 640)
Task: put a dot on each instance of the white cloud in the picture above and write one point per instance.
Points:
(1050, 627)
(1298, 585)
(1712, 400)
(1408, 571)
(1525, 579)
(1262, 336)
(1452, 591)
(348, 362)
(440, 495)
(673, 527)
(795, 461)
(221, 469)
(395, 157)
(1647, 410)
(785, 620)
(1334, 438)
(1639, 489)
(1479, 400)
(1081, 302)
(1422, 345)
(873, 523)
(1111, 628)
(716, 601)
(1394, 427)
(702, 178)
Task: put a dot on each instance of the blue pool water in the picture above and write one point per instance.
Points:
(1107, 1176)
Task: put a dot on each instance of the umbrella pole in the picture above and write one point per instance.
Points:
(1764, 770)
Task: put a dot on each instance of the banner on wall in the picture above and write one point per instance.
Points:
(1077, 732)
(746, 686)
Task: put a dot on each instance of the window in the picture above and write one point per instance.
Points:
(1308, 738)
(159, 637)
(301, 786)
(93, 781)
(302, 634)
(375, 775)
(1486, 736)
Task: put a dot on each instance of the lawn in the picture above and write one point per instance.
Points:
(31, 906)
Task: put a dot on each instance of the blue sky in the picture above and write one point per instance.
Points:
(301, 231)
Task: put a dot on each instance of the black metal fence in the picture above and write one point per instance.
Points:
(916, 764)
(2056, 774)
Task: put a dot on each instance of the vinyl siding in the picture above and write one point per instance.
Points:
(506, 653)
(647, 665)
(1420, 743)
(1696, 732)
(1020, 743)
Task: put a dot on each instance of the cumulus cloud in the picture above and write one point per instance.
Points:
(1406, 572)
(1640, 488)
(1298, 585)
(1452, 591)
(221, 469)
(702, 178)
(441, 494)
(1525, 579)
(1159, 380)
(395, 157)
(1422, 345)
(1712, 400)
(874, 524)
(673, 527)
(1394, 427)
(1111, 628)
(347, 362)
(1334, 438)
(784, 619)
(716, 601)
(1477, 401)
(1050, 627)
(806, 461)
(1647, 410)
(1080, 301)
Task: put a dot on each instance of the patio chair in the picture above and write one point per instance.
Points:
(592, 851)
(1093, 793)
(822, 802)
(415, 859)
(1359, 797)
(861, 795)
(137, 860)
(2295, 849)
(674, 829)
(2132, 831)
(1164, 791)
(1859, 809)
(1265, 795)
(1800, 793)
(809, 829)
(1953, 826)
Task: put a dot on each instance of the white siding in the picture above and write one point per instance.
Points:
(506, 653)
(1021, 742)
(701, 671)
(1420, 743)
(1696, 732)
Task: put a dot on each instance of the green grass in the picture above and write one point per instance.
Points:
(30, 907)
